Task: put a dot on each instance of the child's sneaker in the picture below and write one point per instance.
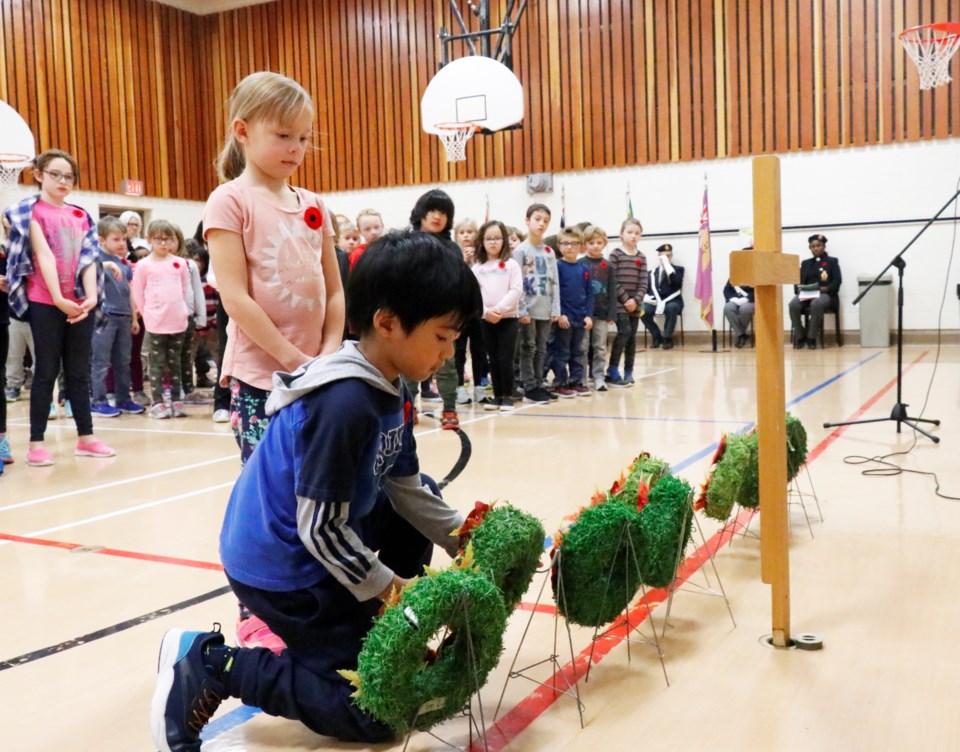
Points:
(39, 458)
(618, 383)
(195, 398)
(221, 416)
(601, 385)
(506, 405)
(131, 408)
(628, 378)
(54, 411)
(565, 392)
(160, 411)
(141, 398)
(537, 396)
(428, 395)
(449, 421)
(67, 409)
(462, 397)
(103, 409)
(12, 394)
(189, 689)
(252, 632)
(6, 458)
(178, 411)
(95, 448)
(491, 404)
(479, 394)
(581, 390)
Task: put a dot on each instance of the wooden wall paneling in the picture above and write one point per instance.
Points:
(697, 93)
(21, 99)
(779, 96)
(111, 96)
(589, 55)
(912, 105)
(418, 64)
(662, 77)
(759, 107)
(844, 42)
(621, 59)
(5, 24)
(953, 114)
(940, 123)
(576, 89)
(732, 55)
(62, 83)
(81, 66)
(707, 67)
(745, 69)
(390, 69)
(534, 134)
(346, 105)
(831, 78)
(871, 105)
(721, 77)
(925, 119)
(350, 135)
(792, 82)
(686, 92)
(640, 71)
(630, 70)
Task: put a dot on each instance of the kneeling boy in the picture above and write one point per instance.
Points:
(334, 480)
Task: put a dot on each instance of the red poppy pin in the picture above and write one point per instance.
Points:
(637, 262)
(313, 217)
(176, 264)
(586, 275)
(823, 264)
(78, 213)
(502, 265)
(406, 411)
(603, 264)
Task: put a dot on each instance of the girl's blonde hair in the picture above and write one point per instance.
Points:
(259, 96)
(464, 224)
(163, 228)
(593, 231)
(630, 221)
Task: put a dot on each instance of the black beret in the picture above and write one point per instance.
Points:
(665, 248)
(821, 238)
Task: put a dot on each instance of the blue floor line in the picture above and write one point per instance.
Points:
(628, 417)
(241, 715)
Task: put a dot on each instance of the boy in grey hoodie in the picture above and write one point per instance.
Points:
(331, 512)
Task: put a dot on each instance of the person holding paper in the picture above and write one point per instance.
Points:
(817, 293)
(664, 296)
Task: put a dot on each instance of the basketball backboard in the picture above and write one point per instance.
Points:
(473, 89)
(16, 138)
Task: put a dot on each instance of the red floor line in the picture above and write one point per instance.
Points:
(214, 566)
(524, 713)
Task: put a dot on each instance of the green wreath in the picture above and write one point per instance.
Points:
(507, 546)
(734, 476)
(796, 446)
(642, 476)
(666, 524)
(595, 565)
(400, 681)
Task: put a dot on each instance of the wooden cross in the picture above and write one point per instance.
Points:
(767, 269)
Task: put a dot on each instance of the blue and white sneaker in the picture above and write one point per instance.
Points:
(188, 691)
(6, 458)
(103, 409)
(131, 408)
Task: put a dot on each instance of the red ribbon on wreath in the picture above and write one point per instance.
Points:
(472, 522)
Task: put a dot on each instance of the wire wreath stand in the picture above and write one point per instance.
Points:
(463, 607)
(570, 690)
(686, 585)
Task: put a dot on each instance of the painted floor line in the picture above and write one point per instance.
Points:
(100, 427)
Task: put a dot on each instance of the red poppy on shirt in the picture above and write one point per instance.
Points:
(502, 265)
(637, 262)
(313, 217)
(603, 264)
(176, 264)
(78, 213)
(823, 264)
(406, 411)
(586, 275)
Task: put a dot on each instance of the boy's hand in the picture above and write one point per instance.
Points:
(563, 322)
(135, 327)
(630, 305)
(111, 267)
(524, 319)
(397, 584)
(588, 323)
(3, 284)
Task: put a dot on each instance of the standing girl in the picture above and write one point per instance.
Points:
(501, 284)
(629, 270)
(160, 284)
(54, 269)
(272, 248)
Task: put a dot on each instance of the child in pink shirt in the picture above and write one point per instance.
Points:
(159, 287)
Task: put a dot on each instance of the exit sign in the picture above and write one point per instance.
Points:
(133, 188)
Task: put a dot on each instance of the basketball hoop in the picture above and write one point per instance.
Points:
(454, 137)
(931, 47)
(11, 165)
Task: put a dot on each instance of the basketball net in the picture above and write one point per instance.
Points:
(454, 137)
(931, 48)
(11, 165)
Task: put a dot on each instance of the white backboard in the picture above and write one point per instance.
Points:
(476, 89)
(15, 135)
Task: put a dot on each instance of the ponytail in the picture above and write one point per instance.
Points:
(231, 161)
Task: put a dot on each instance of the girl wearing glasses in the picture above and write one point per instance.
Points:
(54, 272)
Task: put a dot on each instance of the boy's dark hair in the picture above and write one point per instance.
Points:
(481, 249)
(434, 199)
(414, 275)
(538, 207)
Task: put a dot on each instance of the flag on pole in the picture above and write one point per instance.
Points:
(563, 206)
(704, 289)
(629, 203)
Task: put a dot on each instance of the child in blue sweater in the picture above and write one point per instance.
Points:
(331, 513)
(576, 317)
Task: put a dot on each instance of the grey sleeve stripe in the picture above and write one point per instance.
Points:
(323, 530)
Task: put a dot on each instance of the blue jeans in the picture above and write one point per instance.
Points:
(671, 312)
(568, 351)
(112, 342)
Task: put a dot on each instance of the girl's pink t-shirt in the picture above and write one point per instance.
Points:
(159, 287)
(283, 247)
(64, 227)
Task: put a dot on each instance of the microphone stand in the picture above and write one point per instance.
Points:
(899, 413)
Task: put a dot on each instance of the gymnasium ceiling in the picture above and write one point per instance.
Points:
(204, 7)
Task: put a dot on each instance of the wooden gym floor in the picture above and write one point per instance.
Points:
(82, 623)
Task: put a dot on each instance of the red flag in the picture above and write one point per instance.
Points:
(704, 289)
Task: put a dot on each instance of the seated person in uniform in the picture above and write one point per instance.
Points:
(821, 277)
(664, 296)
(738, 311)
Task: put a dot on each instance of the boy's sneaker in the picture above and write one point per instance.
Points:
(194, 398)
(537, 396)
(618, 383)
(103, 409)
(67, 409)
(462, 397)
(253, 632)
(628, 379)
(141, 398)
(506, 405)
(479, 394)
(131, 408)
(178, 411)
(491, 404)
(565, 392)
(189, 689)
(39, 458)
(6, 458)
(12, 394)
(581, 390)
(54, 411)
(428, 395)
(449, 421)
(601, 385)
(160, 411)
(95, 448)
(518, 393)
(221, 416)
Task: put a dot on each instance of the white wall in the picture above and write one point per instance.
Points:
(902, 181)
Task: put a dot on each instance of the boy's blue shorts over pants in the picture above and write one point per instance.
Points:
(323, 627)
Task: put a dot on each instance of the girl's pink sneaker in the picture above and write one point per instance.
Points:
(95, 448)
(39, 458)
